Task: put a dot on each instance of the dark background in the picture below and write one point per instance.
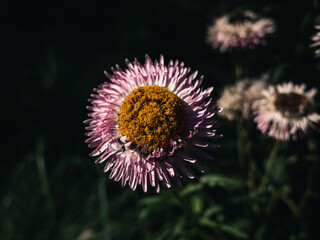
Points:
(54, 53)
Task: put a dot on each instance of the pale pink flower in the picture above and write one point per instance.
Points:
(151, 123)
(286, 111)
(244, 30)
(316, 39)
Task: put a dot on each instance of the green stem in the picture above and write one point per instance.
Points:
(312, 175)
(236, 63)
(290, 203)
(251, 177)
(240, 128)
(184, 205)
(240, 145)
(103, 202)
(269, 165)
(237, 71)
(250, 161)
(41, 167)
(267, 210)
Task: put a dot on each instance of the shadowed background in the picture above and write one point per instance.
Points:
(54, 53)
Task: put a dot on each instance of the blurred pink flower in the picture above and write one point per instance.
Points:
(244, 30)
(150, 124)
(286, 110)
(316, 39)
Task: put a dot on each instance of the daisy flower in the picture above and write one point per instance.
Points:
(236, 99)
(242, 30)
(316, 39)
(151, 123)
(286, 110)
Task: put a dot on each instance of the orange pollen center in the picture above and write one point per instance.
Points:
(151, 116)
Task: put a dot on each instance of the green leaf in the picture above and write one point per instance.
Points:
(219, 180)
(234, 231)
(191, 188)
(151, 200)
(212, 211)
(292, 159)
(278, 169)
(197, 204)
(207, 223)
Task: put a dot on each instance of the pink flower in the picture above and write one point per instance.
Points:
(150, 123)
(316, 39)
(244, 30)
(286, 110)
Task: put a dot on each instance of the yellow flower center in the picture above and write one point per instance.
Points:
(151, 116)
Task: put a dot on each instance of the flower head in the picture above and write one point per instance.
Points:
(316, 39)
(242, 30)
(286, 110)
(150, 124)
(236, 99)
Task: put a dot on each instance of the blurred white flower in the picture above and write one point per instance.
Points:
(244, 30)
(236, 99)
(286, 110)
